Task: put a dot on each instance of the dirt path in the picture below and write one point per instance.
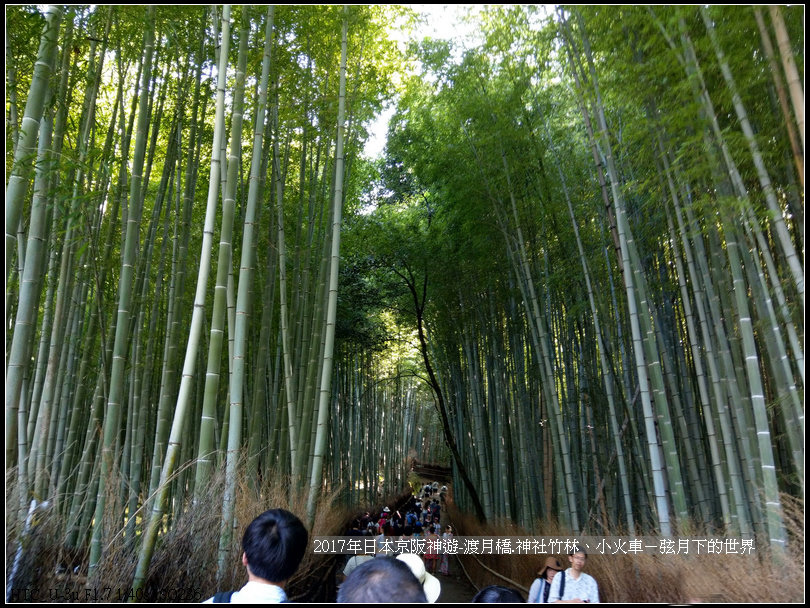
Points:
(455, 587)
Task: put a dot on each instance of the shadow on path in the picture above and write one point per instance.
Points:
(455, 587)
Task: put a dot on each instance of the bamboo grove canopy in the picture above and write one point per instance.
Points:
(576, 275)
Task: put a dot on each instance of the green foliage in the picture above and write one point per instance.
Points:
(468, 208)
(481, 143)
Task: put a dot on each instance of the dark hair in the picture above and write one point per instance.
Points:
(381, 579)
(497, 594)
(275, 543)
(577, 549)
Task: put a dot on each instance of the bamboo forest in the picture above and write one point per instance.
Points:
(573, 276)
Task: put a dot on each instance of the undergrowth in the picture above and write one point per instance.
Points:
(184, 563)
(646, 577)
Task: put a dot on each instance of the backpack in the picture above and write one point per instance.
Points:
(223, 597)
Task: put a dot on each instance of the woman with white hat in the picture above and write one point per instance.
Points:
(430, 583)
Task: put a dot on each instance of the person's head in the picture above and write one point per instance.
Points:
(549, 569)
(577, 557)
(274, 544)
(497, 594)
(381, 580)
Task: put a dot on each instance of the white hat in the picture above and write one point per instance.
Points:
(355, 561)
(386, 510)
(430, 583)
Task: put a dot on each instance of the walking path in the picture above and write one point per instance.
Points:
(455, 587)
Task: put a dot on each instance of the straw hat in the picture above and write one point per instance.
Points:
(430, 583)
(551, 563)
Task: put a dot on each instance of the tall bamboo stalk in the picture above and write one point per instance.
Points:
(789, 64)
(631, 287)
(784, 240)
(245, 277)
(205, 446)
(125, 298)
(24, 155)
(184, 396)
(328, 356)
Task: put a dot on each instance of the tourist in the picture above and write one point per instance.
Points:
(381, 580)
(444, 556)
(430, 584)
(272, 548)
(432, 549)
(573, 585)
(539, 592)
(497, 594)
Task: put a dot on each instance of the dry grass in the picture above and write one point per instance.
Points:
(761, 577)
(184, 564)
(185, 559)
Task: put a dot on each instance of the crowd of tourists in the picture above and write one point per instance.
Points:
(421, 512)
(275, 543)
(418, 518)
